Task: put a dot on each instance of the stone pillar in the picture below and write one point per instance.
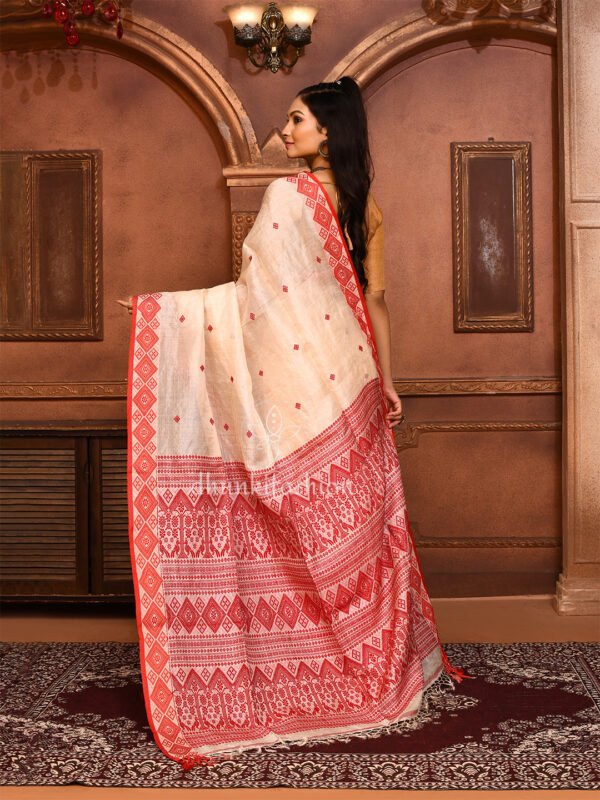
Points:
(578, 587)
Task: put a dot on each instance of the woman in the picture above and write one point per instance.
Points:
(279, 597)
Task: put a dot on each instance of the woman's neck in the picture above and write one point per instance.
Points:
(324, 172)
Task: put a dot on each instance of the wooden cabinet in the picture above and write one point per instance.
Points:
(63, 512)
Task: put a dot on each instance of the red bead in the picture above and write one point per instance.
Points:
(72, 38)
(87, 8)
(61, 15)
(110, 13)
(119, 30)
(47, 10)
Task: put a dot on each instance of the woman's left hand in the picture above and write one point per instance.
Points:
(127, 304)
(394, 405)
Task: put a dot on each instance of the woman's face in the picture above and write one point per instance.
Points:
(301, 135)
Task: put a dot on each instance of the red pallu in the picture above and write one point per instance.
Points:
(279, 596)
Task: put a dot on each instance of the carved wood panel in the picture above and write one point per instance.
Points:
(50, 284)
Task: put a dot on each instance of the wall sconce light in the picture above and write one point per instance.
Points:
(267, 33)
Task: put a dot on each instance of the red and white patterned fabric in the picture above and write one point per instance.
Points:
(279, 596)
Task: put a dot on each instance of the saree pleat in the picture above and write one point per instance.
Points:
(279, 597)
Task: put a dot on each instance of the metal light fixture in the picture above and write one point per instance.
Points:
(267, 33)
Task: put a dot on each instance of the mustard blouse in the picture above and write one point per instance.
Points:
(373, 263)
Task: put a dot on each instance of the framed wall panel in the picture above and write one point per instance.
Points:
(50, 284)
(492, 237)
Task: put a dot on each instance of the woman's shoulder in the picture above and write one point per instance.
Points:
(276, 191)
(277, 184)
(281, 188)
(374, 215)
(373, 208)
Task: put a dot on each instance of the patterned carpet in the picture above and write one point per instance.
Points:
(74, 713)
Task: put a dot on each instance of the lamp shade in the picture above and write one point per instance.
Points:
(302, 16)
(241, 14)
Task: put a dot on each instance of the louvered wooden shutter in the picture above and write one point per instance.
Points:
(43, 516)
(111, 565)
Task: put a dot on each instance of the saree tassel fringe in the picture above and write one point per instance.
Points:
(438, 688)
(189, 762)
(456, 673)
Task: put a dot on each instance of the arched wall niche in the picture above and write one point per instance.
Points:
(402, 38)
(370, 63)
(196, 79)
(415, 32)
(161, 52)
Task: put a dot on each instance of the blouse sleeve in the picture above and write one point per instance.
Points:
(373, 263)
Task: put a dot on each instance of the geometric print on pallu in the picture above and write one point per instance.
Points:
(242, 698)
(244, 701)
(346, 445)
(336, 248)
(237, 698)
(220, 612)
(345, 442)
(272, 612)
(307, 519)
(157, 680)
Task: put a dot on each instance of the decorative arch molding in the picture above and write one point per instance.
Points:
(156, 49)
(412, 33)
(416, 31)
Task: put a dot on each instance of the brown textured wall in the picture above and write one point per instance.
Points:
(166, 225)
(459, 93)
(165, 205)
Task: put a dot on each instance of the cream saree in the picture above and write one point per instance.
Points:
(279, 597)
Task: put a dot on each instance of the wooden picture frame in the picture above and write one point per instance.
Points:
(51, 283)
(492, 237)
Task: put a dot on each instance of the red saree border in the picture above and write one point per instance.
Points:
(130, 488)
(371, 335)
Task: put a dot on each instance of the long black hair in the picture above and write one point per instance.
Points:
(339, 107)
